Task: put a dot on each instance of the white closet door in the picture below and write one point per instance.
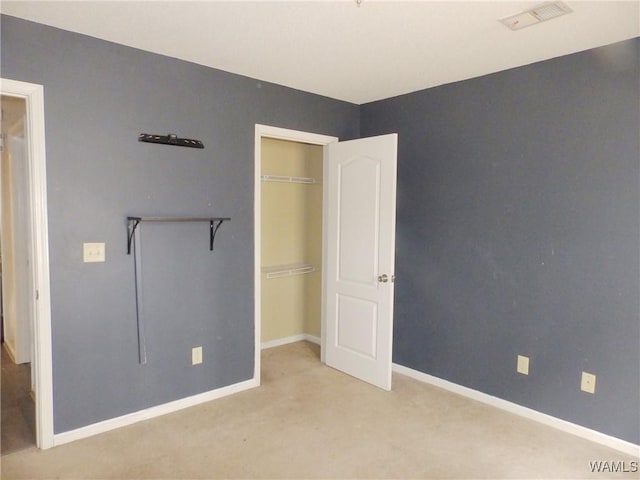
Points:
(360, 186)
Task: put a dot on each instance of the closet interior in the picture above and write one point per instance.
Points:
(291, 241)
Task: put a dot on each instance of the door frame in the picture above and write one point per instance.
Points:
(266, 131)
(33, 94)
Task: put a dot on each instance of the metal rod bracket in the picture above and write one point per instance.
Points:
(214, 225)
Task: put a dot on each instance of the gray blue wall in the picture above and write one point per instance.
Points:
(518, 233)
(518, 225)
(98, 97)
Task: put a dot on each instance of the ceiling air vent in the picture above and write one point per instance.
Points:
(538, 14)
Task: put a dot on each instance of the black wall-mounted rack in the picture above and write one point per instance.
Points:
(133, 223)
(170, 139)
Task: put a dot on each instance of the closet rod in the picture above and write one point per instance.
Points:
(133, 223)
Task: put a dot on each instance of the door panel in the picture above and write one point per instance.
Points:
(358, 224)
(357, 322)
(360, 186)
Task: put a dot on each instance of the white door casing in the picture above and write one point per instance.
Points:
(359, 229)
(41, 300)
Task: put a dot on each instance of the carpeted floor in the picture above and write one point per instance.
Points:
(310, 421)
(18, 409)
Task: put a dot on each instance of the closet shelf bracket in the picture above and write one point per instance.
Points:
(214, 225)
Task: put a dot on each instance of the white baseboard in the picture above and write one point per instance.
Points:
(12, 353)
(578, 430)
(292, 339)
(131, 418)
(312, 339)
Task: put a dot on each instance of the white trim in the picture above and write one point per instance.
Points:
(131, 418)
(568, 427)
(294, 135)
(11, 352)
(324, 266)
(292, 339)
(312, 339)
(42, 364)
(281, 134)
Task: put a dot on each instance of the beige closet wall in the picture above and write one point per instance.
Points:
(8, 260)
(291, 234)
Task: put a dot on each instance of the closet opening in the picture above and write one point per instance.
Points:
(291, 232)
(289, 238)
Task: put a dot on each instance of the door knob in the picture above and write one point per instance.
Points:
(383, 278)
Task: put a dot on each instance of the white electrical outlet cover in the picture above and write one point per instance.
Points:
(196, 355)
(523, 365)
(588, 383)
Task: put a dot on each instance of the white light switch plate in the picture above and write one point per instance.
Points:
(93, 252)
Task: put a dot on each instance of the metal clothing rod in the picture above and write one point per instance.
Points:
(133, 223)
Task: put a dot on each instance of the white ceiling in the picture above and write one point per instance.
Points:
(337, 49)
